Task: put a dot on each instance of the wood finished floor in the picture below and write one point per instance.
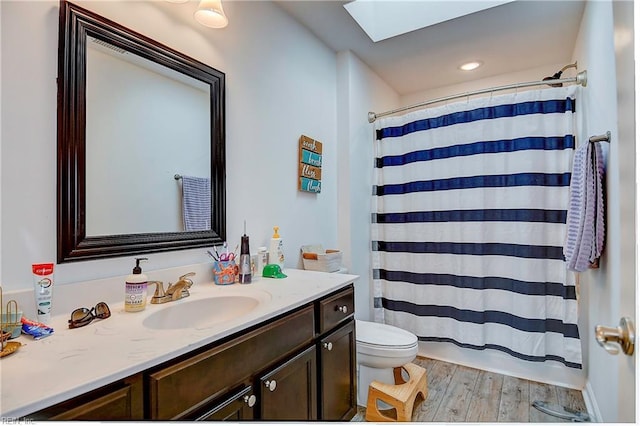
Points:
(462, 394)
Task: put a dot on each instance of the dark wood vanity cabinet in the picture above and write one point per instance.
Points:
(239, 406)
(122, 400)
(299, 366)
(180, 389)
(337, 374)
(288, 392)
(337, 356)
(309, 372)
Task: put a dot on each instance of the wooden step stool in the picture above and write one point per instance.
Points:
(401, 396)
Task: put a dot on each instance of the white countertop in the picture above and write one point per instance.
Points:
(71, 362)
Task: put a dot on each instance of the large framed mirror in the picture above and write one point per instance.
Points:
(141, 143)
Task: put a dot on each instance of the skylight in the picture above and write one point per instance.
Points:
(383, 19)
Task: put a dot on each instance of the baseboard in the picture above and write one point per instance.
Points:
(591, 403)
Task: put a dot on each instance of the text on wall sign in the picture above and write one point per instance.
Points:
(310, 167)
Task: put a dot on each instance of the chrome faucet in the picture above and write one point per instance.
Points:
(176, 291)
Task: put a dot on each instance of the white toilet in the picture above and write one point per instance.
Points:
(380, 348)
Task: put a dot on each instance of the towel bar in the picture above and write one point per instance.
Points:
(601, 138)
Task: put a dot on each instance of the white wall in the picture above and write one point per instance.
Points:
(360, 91)
(281, 83)
(626, 42)
(601, 289)
(533, 74)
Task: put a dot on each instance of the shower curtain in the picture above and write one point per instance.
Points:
(468, 225)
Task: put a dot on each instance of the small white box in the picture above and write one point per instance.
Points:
(314, 258)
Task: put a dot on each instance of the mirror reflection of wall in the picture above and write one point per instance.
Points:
(144, 124)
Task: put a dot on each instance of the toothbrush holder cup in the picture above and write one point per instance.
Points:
(224, 272)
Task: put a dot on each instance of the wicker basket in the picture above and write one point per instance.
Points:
(326, 261)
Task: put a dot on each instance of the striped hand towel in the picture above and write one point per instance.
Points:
(196, 203)
(585, 217)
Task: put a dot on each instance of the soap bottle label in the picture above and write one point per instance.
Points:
(136, 297)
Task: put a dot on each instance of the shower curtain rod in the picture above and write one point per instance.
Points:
(580, 78)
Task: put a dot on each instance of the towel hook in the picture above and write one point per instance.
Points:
(177, 177)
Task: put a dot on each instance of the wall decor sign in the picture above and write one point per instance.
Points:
(310, 167)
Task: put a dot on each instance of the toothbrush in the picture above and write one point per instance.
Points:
(225, 256)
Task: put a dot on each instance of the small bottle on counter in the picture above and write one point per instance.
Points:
(261, 261)
(135, 293)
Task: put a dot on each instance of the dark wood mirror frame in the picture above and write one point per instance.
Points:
(73, 244)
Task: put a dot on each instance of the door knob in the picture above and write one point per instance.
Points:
(328, 345)
(271, 385)
(250, 400)
(624, 335)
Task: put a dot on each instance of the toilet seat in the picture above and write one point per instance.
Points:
(372, 336)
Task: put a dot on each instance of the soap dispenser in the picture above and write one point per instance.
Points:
(276, 255)
(135, 294)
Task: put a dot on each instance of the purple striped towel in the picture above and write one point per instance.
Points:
(196, 203)
(585, 217)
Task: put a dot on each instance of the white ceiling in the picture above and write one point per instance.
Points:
(508, 38)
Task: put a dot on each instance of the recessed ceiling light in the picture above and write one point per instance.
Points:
(470, 66)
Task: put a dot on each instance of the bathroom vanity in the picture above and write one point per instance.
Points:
(290, 356)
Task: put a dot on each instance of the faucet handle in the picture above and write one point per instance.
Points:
(185, 278)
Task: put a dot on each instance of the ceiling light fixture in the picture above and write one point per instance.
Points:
(470, 66)
(210, 14)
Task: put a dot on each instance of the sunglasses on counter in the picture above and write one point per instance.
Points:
(83, 316)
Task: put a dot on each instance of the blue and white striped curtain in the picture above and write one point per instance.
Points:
(468, 225)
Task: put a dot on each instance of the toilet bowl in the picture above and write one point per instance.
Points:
(379, 349)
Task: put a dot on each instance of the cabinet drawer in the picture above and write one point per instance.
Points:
(190, 384)
(335, 309)
(118, 401)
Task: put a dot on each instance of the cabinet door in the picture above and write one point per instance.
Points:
(338, 374)
(239, 406)
(288, 392)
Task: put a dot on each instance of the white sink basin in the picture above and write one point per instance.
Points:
(205, 312)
